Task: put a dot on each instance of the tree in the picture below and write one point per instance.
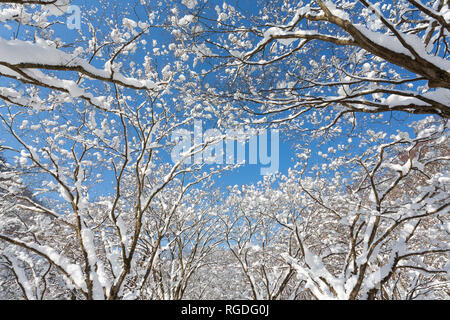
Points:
(319, 61)
(22, 274)
(373, 227)
(256, 242)
(93, 205)
(106, 246)
(94, 142)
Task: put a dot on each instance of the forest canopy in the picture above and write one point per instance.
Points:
(120, 121)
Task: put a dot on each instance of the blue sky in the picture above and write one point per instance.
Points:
(248, 173)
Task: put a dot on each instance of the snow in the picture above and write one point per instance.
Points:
(22, 278)
(328, 267)
(128, 23)
(65, 194)
(9, 13)
(444, 180)
(440, 95)
(393, 43)
(336, 12)
(272, 32)
(191, 4)
(73, 270)
(186, 20)
(123, 228)
(403, 169)
(59, 7)
(88, 242)
(24, 52)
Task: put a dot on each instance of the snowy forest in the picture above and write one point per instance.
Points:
(108, 190)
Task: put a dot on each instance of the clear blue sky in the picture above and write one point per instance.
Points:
(248, 173)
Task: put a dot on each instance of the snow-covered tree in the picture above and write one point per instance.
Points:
(375, 226)
(92, 143)
(93, 206)
(319, 61)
